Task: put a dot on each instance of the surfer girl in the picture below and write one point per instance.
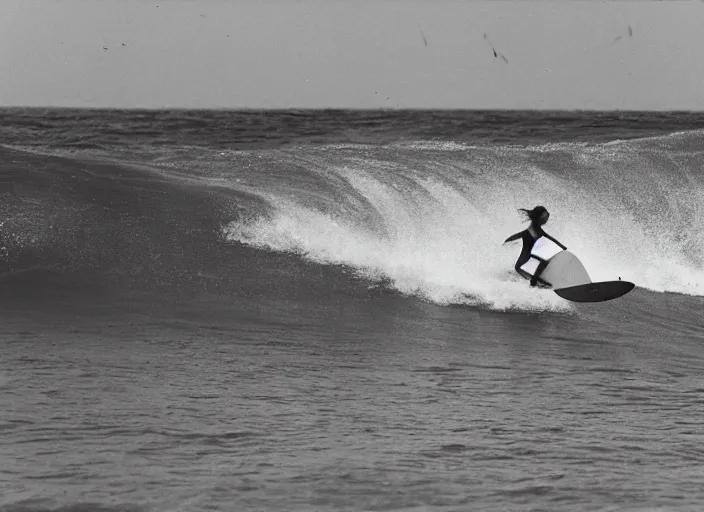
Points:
(538, 216)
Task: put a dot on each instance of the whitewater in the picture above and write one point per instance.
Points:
(431, 220)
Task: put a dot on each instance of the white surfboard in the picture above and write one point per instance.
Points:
(564, 268)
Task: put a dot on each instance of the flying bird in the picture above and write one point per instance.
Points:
(425, 41)
(630, 34)
(497, 55)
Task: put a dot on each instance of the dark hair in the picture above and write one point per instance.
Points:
(534, 214)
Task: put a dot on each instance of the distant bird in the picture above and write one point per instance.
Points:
(496, 54)
(123, 44)
(105, 47)
(425, 41)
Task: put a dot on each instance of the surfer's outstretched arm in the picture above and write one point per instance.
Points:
(514, 237)
(551, 238)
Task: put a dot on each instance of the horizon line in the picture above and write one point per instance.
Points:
(348, 109)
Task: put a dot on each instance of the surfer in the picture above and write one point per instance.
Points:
(538, 216)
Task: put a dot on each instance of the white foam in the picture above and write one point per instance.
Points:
(437, 231)
(438, 246)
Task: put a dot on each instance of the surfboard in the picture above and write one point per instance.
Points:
(595, 292)
(568, 278)
(565, 270)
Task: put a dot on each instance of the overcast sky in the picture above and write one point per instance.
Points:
(353, 53)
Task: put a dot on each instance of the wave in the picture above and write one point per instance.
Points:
(425, 219)
(440, 215)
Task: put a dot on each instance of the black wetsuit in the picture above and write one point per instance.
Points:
(528, 243)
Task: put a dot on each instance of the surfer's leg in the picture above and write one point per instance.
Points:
(521, 260)
(538, 271)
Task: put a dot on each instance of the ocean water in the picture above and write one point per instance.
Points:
(314, 311)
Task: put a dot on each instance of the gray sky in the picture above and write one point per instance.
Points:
(352, 54)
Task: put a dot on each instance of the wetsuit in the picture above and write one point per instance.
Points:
(528, 242)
